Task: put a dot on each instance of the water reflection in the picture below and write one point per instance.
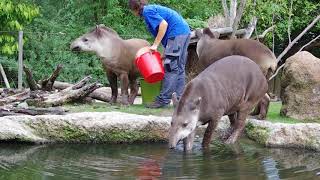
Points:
(245, 160)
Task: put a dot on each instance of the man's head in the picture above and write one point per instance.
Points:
(137, 6)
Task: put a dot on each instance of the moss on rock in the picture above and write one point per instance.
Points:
(257, 133)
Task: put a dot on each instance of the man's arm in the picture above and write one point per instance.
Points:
(161, 32)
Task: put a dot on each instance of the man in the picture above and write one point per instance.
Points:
(169, 28)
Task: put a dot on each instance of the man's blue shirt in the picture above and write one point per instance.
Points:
(154, 14)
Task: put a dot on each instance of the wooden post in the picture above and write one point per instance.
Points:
(4, 77)
(20, 60)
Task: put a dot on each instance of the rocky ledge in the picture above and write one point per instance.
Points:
(300, 135)
(109, 127)
(117, 127)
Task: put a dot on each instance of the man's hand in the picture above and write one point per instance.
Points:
(154, 47)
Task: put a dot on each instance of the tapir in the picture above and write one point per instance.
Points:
(231, 86)
(210, 49)
(117, 56)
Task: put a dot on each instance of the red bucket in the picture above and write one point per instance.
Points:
(150, 66)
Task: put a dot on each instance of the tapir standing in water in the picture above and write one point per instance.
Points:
(231, 86)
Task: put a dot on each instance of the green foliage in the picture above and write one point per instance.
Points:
(196, 24)
(303, 12)
(14, 16)
(48, 38)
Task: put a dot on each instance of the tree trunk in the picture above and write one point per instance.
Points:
(251, 27)
(238, 18)
(233, 12)
(226, 12)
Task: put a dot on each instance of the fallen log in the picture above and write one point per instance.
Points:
(16, 111)
(102, 93)
(15, 98)
(75, 92)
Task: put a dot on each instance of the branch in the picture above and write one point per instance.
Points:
(309, 43)
(265, 32)
(252, 25)
(298, 37)
(31, 82)
(238, 17)
(275, 74)
(48, 83)
(4, 76)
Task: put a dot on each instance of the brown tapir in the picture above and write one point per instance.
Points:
(231, 86)
(117, 57)
(210, 49)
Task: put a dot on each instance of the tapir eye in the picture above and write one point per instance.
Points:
(184, 125)
(85, 40)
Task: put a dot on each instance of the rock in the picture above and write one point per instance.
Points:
(300, 135)
(109, 127)
(300, 87)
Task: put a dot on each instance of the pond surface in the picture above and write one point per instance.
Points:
(245, 160)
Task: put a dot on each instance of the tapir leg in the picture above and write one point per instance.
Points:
(124, 88)
(239, 127)
(188, 141)
(264, 107)
(261, 110)
(232, 119)
(112, 78)
(133, 88)
(208, 133)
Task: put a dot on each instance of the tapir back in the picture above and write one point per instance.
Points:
(228, 84)
(215, 49)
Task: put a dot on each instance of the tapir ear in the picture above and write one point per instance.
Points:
(208, 32)
(98, 31)
(198, 33)
(175, 99)
(195, 104)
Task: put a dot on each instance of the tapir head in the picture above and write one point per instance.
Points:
(97, 40)
(184, 119)
(205, 35)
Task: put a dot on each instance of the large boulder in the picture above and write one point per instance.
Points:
(300, 87)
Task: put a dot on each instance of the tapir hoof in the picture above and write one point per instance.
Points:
(113, 100)
(124, 101)
(230, 141)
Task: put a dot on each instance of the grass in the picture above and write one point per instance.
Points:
(273, 114)
(134, 109)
